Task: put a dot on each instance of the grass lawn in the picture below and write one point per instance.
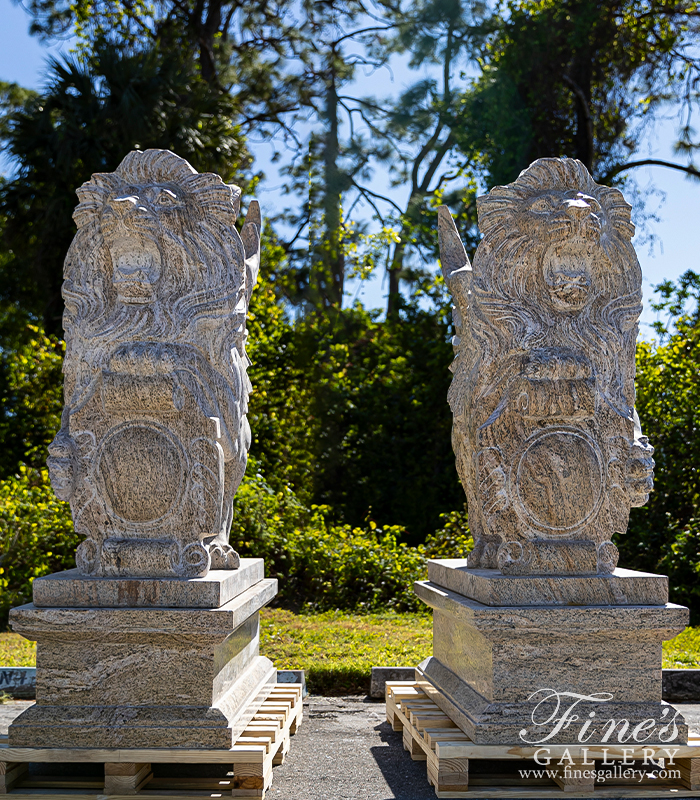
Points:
(337, 650)
(684, 650)
(16, 651)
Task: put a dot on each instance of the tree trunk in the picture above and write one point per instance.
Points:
(392, 307)
(579, 81)
(207, 30)
(333, 260)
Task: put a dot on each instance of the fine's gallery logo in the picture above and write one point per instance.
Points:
(652, 764)
(556, 711)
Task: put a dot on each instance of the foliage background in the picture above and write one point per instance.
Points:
(352, 483)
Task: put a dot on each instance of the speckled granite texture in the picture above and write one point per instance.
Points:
(153, 641)
(145, 677)
(493, 588)
(70, 589)
(551, 455)
(547, 441)
(154, 436)
(488, 660)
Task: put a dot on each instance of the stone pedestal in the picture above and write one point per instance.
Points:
(516, 657)
(157, 662)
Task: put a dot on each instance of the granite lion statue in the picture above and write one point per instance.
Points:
(154, 437)
(547, 441)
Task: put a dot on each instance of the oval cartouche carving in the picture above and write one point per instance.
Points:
(143, 471)
(559, 481)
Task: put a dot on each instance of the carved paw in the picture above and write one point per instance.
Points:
(639, 471)
(87, 557)
(223, 556)
(608, 556)
(62, 464)
(474, 558)
(485, 553)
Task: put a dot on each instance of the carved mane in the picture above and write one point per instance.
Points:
(210, 263)
(507, 277)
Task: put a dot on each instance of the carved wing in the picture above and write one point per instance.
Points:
(251, 242)
(454, 262)
(457, 272)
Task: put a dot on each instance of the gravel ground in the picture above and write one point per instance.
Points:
(346, 750)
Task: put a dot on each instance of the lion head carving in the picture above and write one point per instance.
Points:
(543, 394)
(154, 438)
(157, 256)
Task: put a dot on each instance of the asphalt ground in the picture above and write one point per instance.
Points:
(345, 750)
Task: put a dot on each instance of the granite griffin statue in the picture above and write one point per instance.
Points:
(154, 437)
(551, 455)
(547, 441)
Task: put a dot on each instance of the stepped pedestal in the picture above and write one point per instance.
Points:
(145, 662)
(551, 659)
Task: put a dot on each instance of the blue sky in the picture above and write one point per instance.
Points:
(677, 245)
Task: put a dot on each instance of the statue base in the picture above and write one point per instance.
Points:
(559, 672)
(143, 672)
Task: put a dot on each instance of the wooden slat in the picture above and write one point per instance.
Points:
(448, 751)
(597, 752)
(534, 793)
(451, 775)
(274, 731)
(409, 703)
(127, 772)
(400, 686)
(413, 746)
(252, 785)
(237, 754)
(555, 793)
(576, 777)
(422, 720)
(126, 777)
(281, 753)
(10, 774)
(254, 739)
(288, 697)
(690, 772)
(402, 690)
(179, 785)
(392, 717)
(48, 782)
(434, 735)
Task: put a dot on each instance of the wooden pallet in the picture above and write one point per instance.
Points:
(457, 767)
(128, 772)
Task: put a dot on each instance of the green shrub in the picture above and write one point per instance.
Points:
(31, 394)
(664, 536)
(328, 566)
(680, 560)
(453, 539)
(36, 536)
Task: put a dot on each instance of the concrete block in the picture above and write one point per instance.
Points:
(293, 676)
(380, 675)
(681, 685)
(19, 682)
